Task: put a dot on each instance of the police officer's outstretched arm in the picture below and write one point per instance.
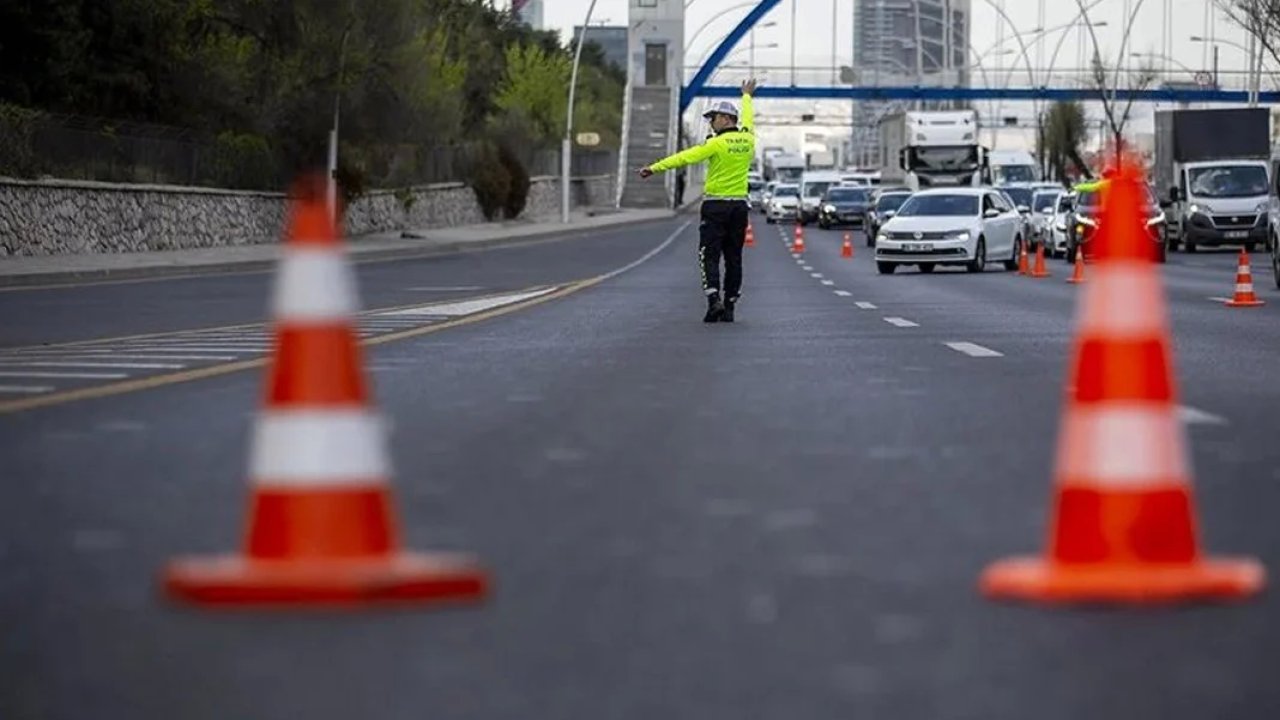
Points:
(691, 156)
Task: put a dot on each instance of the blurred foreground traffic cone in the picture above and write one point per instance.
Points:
(1244, 296)
(846, 250)
(1124, 519)
(1078, 275)
(751, 236)
(322, 528)
(1024, 268)
(798, 246)
(1041, 271)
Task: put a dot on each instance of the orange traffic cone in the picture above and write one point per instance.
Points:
(846, 250)
(1124, 526)
(1024, 267)
(798, 246)
(322, 528)
(1078, 275)
(1041, 271)
(1244, 296)
(751, 236)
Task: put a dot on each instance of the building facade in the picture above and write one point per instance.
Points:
(906, 42)
(530, 12)
(612, 39)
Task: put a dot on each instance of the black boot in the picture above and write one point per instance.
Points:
(729, 306)
(715, 309)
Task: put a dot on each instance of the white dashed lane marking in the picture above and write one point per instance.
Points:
(1193, 416)
(864, 305)
(815, 275)
(843, 293)
(901, 322)
(828, 282)
(973, 349)
(25, 389)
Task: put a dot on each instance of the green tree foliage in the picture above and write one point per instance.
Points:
(1063, 134)
(258, 78)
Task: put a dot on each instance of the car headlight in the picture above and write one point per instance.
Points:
(1157, 220)
(1196, 210)
(962, 236)
(881, 238)
(1082, 220)
(829, 209)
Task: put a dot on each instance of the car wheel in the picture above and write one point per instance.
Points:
(824, 224)
(926, 268)
(886, 268)
(1251, 247)
(1190, 246)
(769, 220)
(1012, 263)
(1162, 255)
(979, 261)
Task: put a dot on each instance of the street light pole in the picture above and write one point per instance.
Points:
(331, 187)
(566, 148)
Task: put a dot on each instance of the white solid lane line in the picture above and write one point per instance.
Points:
(106, 356)
(65, 376)
(973, 349)
(864, 305)
(25, 389)
(76, 364)
(900, 322)
(843, 293)
(1194, 416)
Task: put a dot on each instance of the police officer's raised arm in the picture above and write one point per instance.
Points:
(747, 121)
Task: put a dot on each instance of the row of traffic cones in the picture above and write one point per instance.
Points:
(322, 528)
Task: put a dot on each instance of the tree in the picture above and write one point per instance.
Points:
(1063, 134)
(1106, 82)
(1261, 19)
(534, 87)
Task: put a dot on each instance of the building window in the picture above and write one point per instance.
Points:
(646, 3)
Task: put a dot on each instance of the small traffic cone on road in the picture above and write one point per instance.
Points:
(1244, 296)
(751, 236)
(1041, 271)
(798, 245)
(1078, 275)
(322, 528)
(1124, 521)
(1024, 267)
(846, 250)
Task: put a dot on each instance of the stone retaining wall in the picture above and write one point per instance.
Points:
(64, 217)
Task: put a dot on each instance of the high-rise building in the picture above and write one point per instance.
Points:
(530, 11)
(907, 42)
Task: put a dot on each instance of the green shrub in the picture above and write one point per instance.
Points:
(244, 160)
(490, 181)
(17, 151)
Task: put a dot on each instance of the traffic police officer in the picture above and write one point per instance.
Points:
(728, 152)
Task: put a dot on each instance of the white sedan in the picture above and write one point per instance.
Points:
(784, 204)
(953, 226)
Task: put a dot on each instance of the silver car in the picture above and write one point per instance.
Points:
(1044, 204)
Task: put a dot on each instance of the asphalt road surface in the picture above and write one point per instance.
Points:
(780, 518)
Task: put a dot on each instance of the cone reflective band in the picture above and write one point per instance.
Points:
(322, 527)
(846, 249)
(1244, 296)
(1123, 526)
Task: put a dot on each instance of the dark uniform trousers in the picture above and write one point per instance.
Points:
(723, 231)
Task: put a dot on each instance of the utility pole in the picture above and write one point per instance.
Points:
(793, 42)
(566, 147)
(919, 53)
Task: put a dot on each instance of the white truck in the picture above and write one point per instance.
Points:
(1212, 172)
(785, 167)
(1010, 167)
(923, 149)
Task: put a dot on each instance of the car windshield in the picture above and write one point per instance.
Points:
(1015, 173)
(1226, 181)
(1020, 196)
(786, 191)
(891, 202)
(1045, 201)
(940, 205)
(846, 195)
(815, 189)
(755, 185)
(1089, 201)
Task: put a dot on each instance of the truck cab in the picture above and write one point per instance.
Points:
(933, 149)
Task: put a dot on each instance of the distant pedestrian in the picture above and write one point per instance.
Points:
(679, 189)
(725, 212)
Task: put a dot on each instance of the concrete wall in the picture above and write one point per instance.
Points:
(65, 217)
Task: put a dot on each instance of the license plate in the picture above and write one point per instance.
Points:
(1236, 234)
(917, 247)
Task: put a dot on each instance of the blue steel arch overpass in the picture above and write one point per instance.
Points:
(699, 85)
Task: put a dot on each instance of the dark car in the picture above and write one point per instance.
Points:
(884, 207)
(1082, 222)
(843, 206)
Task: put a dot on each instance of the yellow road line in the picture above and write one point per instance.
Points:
(127, 386)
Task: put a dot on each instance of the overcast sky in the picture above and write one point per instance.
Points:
(813, 28)
(814, 41)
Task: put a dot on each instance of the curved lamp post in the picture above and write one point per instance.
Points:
(566, 148)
